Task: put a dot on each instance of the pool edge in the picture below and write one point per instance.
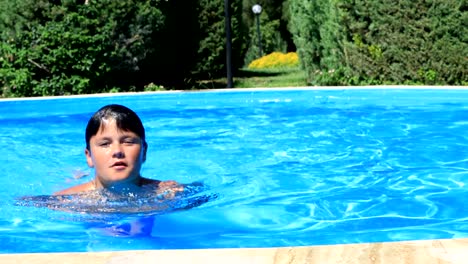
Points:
(368, 87)
(421, 251)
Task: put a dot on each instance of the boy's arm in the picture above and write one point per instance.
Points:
(168, 189)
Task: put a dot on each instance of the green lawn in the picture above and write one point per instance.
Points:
(248, 78)
(286, 77)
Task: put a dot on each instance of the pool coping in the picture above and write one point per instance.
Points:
(422, 251)
(374, 87)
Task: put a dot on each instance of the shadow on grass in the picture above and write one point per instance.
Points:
(209, 84)
(253, 78)
(249, 73)
(221, 82)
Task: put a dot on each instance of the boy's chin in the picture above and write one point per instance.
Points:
(120, 181)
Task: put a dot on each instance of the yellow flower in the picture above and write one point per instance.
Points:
(275, 60)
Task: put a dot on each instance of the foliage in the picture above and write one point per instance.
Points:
(270, 38)
(73, 48)
(211, 54)
(381, 42)
(422, 42)
(153, 87)
(272, 25)
(305, 30)
(273, 10)
(275, 60)
(67, 47)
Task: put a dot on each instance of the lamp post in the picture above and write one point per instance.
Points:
(257, 9)
(227, 20)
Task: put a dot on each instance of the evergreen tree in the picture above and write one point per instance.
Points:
(211, 55)
(381, 42)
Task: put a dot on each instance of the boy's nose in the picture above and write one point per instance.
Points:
(118, 155)
(118, 152)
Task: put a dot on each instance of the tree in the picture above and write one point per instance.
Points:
(211, 54)
(273, 27)
(422, 42)
(381, 42)
(71, 48)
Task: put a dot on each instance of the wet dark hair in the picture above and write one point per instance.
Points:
(124, 117)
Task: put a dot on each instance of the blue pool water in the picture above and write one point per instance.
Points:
(285, 168)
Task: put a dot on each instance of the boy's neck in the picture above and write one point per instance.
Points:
(121, 186)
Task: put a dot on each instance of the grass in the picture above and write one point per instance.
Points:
(285, 77)
(250, 78)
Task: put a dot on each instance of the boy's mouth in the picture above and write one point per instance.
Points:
(119, 165)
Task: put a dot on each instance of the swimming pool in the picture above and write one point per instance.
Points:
(288, 167)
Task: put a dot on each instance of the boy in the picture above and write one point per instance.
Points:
(116, 149)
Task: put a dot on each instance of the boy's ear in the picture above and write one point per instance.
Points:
(145, 149)
(89, 160)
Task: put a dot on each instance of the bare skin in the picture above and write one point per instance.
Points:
(116, 157)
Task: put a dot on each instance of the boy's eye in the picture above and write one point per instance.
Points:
(104, 144)
(130, 141)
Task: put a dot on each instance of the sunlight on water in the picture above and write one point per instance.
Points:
(283, 168)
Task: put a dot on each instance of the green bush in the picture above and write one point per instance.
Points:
(381, 42)
(276, 60)
(53, 60)
(210, 53)
(75, 49)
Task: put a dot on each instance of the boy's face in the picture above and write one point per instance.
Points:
(115, 155)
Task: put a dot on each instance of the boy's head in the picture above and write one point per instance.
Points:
(125, 119)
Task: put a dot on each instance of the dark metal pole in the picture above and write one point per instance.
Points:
(228, 43)
(259, 36)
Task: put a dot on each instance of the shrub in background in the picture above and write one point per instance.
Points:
(381, 42)
(407, 42)
(67, 47)
(210, 52)
(276, 60)
(273, 27)
(72, 48)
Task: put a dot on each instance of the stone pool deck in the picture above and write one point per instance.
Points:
(423, 251)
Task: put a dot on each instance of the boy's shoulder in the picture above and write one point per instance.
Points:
(76, 189)
(147, 181)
